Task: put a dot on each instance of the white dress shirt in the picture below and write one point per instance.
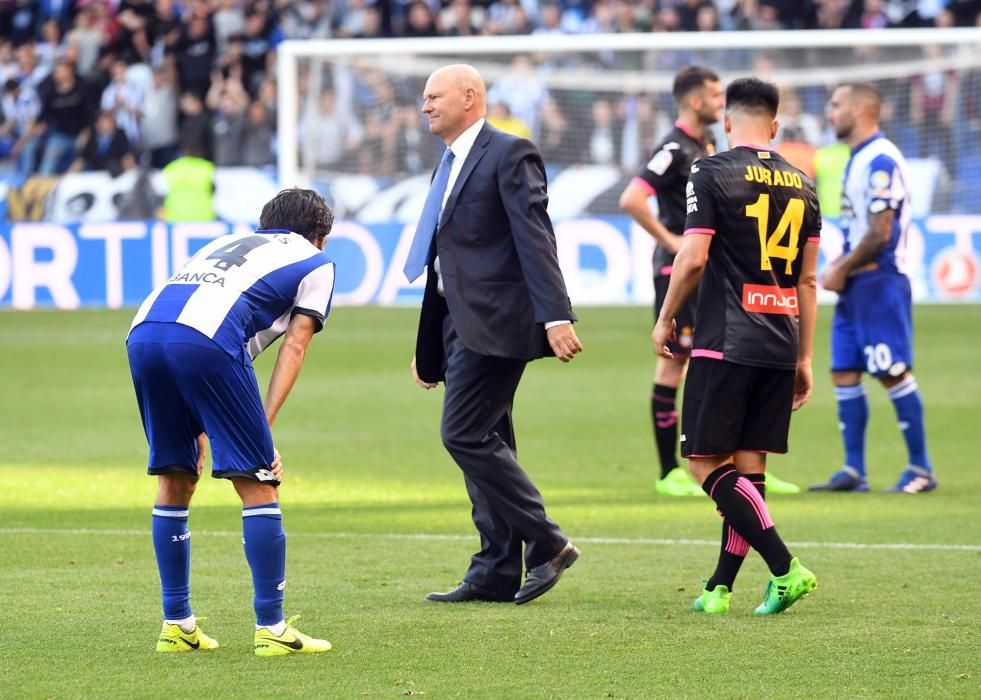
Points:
(461, 149)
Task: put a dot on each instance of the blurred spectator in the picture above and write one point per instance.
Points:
(196, 52)
(933, 99)
(160, 117)
(256, 47)
(21, 108)
(23, 21)
(305, 20)
(195, 124)
(506, 17)
(8, 61)
(229, 21)
(795, 124)
(549, 19)
(228, 102)
(125, 99)
(500, 117)
(257, 137)
(66, 112)
(522, 90)
(133, 39)
(873, 15)
(421, 22)
(325, 134)
(602, 140)
(87, 37)
(190, 185)
(105, 147)
(458, 19)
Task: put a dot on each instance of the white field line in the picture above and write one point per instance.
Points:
(425, 537)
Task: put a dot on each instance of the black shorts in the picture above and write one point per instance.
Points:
(685, 320)
(730, 408)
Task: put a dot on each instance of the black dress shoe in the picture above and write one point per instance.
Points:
(467, 592)
(541, 579)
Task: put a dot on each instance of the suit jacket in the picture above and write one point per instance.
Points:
(497, 258)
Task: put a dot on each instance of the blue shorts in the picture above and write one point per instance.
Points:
(186, 385)
(872, 330)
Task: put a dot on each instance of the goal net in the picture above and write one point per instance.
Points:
(595, 105)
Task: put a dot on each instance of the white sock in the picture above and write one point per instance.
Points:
(187, 624)
(278, 630)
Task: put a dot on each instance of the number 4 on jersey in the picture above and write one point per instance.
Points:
(793, 218)
(233, 254)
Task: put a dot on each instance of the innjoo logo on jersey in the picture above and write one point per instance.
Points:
(767, 299)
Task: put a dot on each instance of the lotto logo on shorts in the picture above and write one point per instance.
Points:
(767, 299)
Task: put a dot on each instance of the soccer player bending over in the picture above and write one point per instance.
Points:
(872, 330)
(190, 348)
(751, 238)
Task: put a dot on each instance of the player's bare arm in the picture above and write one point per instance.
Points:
(807, 305)
(872, 243)
(685, 275)
(288, 363)
(634, 202)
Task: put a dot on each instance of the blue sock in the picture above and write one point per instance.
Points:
(909, 412)
(853, 415)
(265, 550)
(172, 544)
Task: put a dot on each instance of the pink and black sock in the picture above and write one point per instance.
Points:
(734, 547)
(745, 510)
(665, 419)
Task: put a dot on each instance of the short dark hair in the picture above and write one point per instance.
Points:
(753, 95)
(689, 79)
(866, 92)
(301, 211)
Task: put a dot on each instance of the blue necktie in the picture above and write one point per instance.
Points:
(415, 261)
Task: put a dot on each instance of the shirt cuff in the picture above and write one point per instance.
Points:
(553, 324)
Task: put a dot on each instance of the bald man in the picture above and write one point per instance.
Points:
(495, 299)
(872, 330)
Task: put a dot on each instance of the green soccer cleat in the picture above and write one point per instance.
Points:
(714, 602)
(173, 639)
(783, 591)
(292, 641)
(677, 482)
(775, 485)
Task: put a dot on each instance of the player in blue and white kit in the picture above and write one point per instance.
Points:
(190, 348)
(872, 330)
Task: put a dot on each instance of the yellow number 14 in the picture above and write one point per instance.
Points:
(793, 218)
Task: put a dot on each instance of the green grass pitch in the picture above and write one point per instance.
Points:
(377, 516)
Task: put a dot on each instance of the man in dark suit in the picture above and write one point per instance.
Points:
(495, 299)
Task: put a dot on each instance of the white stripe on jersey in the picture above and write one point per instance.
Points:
(210, 304)
(280, 271)
(147, 304)
(858, 192)
(313, 294)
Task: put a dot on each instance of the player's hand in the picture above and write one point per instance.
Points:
(803, 383)
(664, 332)
(417, 380)
(277, 465)
(564, 342)
(834, 278)
(673, 243)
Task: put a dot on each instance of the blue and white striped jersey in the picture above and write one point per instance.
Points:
(242, 290)
(876, 179)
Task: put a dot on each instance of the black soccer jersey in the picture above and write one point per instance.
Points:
(761, 211)
(665, 176)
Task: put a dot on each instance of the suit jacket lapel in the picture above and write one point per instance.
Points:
(476, 153)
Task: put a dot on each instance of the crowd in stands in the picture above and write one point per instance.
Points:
(114, 84)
